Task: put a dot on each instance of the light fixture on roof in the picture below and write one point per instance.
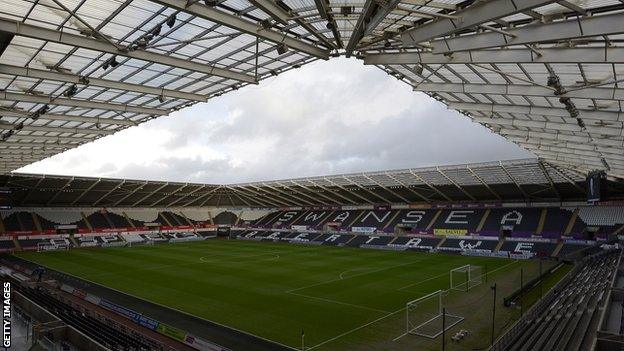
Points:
(387, 44)
(43, 110)
(211, 3)
(281, 49)
(346, 10)
(265, 23)
(171, 20)
(71, 91)
(156, 30)
(161, 98)
(273, 73)
(330, 24)
(580, 123)
(113, 62)
(418, 69)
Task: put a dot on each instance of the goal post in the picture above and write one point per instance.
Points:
(428, 316)
(466, 277)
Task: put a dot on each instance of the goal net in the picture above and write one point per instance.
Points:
(428, 317)
(466, 277)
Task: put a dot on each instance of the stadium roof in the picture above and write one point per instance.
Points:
(518, 180)
(545, 74)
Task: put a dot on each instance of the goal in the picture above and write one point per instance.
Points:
(428, 317)
(466, 277)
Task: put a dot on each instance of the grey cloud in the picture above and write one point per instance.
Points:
(328, 117)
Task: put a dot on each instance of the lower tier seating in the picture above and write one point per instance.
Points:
(109, 334)
(566, 319)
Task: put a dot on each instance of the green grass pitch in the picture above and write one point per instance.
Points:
(344, 298)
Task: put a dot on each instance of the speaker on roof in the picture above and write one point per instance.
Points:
(596, 186)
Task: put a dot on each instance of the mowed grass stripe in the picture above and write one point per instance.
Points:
(242, 284)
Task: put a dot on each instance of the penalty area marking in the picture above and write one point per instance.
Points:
(342, 274)
(352, 276)
(447, 273)
(337, 302)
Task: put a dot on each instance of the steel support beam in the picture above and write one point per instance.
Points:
(456, 185)
(560, 137)
(86, 191)
(611, 116)
(520, 90)
(583, 27)
(237, 23)
(98, 82)
(51, 35)
(511, 56)
(272, 9)
(36, 99)
(431, 186)
(68, 118)
(614, 130)
(480, 12)
(45, 129)
(56, 139)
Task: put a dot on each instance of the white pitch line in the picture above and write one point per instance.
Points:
(356, 329)
(353, 270)
(338, 302)
(352, 276)
(386, 316)
(447, 273)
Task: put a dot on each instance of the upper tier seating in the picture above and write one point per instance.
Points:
(45, 224)
(416, 219)
(176, 219)
(376, 219)
(97, 220)
(12, 223)
(225, 218)
(557, 220)
(523, 221)
(6, 244)
(467, 219)
(312, 219)
(117, 221)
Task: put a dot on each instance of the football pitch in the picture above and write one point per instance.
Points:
(343, 298)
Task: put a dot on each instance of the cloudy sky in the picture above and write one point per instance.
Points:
(328, 117)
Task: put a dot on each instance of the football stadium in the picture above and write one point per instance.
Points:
(510, 254)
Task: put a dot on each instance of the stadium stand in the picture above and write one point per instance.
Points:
(375, 220)
(12, 222)
(313, 219)
(6, 244)
(521, 222)
(458, 245)
(535, 248)
(116, 221)
(109, 334)
(413, 220)
(225, 217)
(98, 220)
(567, 317)
(416, 243)
(466, 219)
